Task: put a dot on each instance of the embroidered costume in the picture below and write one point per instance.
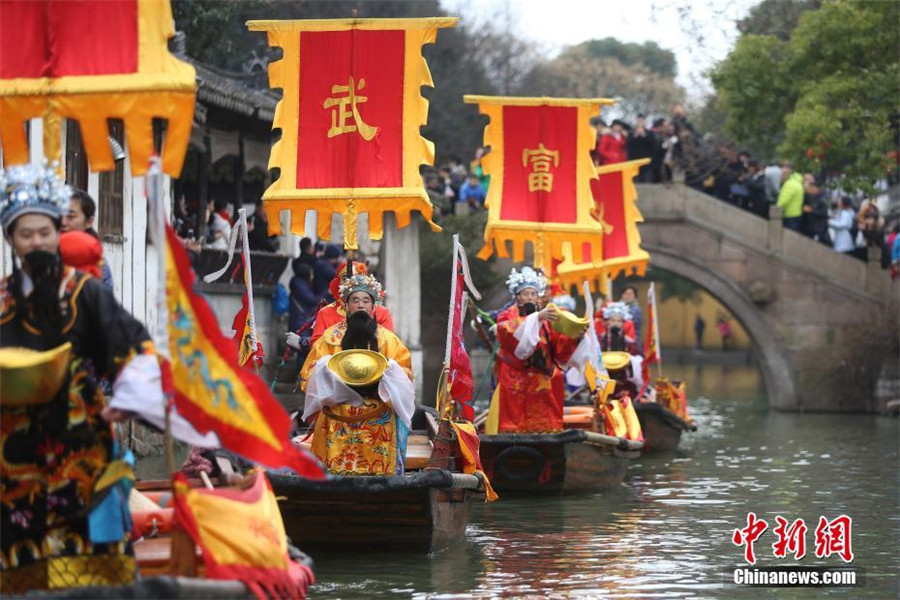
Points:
(53, 454)
(530, 383)
(359, 431)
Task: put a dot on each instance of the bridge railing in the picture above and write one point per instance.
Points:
(679, 202)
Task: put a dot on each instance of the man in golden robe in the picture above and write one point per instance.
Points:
(359, 430)
(530, 387)
(334, 313)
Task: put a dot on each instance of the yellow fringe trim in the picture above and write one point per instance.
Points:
(163, 87)
(350, 202)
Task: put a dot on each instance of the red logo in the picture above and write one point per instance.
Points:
(831, 537)
(748, 535)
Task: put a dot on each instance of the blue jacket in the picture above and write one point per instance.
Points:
(323, 273)
(474, 193)
(303, 303)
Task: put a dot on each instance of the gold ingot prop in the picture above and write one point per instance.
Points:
(616, 361)
(358, 368)
(31, 377)
(569, 324)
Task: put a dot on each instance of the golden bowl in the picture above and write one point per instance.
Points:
(31, 377)
(569, 324)
(616, 361)
(358, 367)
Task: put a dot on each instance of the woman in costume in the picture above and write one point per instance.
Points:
(57, 529)
(359, 430)
(530, 390)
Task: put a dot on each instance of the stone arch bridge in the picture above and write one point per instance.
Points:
(823, 324)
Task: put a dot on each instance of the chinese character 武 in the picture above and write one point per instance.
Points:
(345, 107)
(540, 178)
(833, 537)
(790, 539)
(748, 535)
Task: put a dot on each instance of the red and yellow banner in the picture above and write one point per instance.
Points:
(93, 60)
(541, 174)
(241, 536)
(211, 390)
(616, 207)
(469, 445)
(349, 117)
(249, 348)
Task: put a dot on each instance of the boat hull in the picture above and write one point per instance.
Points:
(421, 512)
(553, 463)
(661, 427)
(160, 587)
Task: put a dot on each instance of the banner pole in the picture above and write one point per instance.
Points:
(248, 280)
(161, 341)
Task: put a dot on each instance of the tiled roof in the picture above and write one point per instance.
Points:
(233, 91)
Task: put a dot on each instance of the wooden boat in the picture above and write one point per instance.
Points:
(160, 587)
(422, 511)
(426, 510)
(569, 462)
(662, 428)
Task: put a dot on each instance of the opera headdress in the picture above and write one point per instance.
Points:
(30, 189)
(617, 309)
(524, 279)
(362, 283)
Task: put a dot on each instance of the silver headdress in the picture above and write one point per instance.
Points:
(617, 309)
(29, 189)
(526, 278)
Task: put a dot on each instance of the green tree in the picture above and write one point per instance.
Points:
(649, 54)
(775, 17)
(755, 92)
(826, 97)
(576, 72)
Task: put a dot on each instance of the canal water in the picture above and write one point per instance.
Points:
(666, 532)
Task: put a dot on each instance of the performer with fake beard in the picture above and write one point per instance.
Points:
(359, 430)
(615, 339)
(530, 390)
(334, 313)
(57, 527)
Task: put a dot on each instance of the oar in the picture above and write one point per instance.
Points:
(280, 368)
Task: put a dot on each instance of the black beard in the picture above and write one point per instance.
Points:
(526, 308)
(43, 305)
(616, 339)
(360, 334)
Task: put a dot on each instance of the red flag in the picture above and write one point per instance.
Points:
(460, 371)
(652, 341)
(211, 390)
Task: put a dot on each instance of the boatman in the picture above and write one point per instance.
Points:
(363, 419)
(530, 390)
(59, 525)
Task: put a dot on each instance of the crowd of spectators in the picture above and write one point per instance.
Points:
(851, 224)
(454, 188)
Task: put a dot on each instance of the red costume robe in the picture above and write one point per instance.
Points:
(531, 391)
(334, 313)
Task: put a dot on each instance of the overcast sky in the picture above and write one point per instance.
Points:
(699, 32)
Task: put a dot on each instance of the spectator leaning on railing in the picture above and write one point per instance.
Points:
(842, 224)
(790, 198)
